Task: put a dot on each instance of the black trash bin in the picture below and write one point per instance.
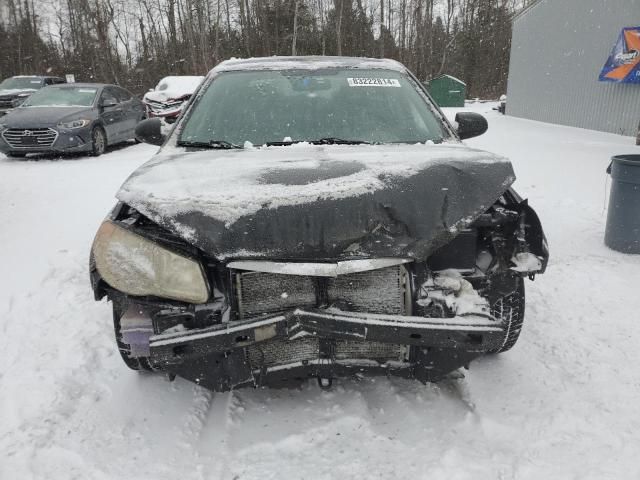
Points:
(623, 217)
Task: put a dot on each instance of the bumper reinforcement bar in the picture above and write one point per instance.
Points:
(214, 357)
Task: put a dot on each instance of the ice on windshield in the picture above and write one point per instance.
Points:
(376, 106)
(62, 97)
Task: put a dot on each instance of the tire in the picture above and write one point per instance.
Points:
(16, 155)
(510, 310)
(98, 141)
(144, 117)
(134, 363)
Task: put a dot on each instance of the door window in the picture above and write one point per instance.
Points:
(122, 94)
(108, 96)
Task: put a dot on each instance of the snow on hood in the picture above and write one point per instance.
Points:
(229, 184)
(177, 87)
(290, 200)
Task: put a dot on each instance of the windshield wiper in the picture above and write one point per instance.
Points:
(338, 141)
(213, 144)
(319, 141)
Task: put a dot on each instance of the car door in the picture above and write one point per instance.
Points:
(131, 114)
(111, 115)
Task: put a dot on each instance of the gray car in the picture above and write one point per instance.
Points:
(15, 90)
(78, 117)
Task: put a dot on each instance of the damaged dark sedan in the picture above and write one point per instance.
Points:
(315, 217)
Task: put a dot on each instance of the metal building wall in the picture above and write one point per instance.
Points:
(558, 50)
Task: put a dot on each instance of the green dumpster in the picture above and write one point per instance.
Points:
(448, 91)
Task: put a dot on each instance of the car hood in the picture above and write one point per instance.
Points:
(166, 95)
(12, 92)
(318, 202)
(34, 117)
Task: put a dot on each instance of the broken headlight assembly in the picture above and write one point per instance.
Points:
(138, 266)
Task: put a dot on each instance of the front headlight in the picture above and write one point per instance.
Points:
(74, 124)
(138, 266)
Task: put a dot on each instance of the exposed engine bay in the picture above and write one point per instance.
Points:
(274, 321)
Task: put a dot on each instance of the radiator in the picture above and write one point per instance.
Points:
(282, 352)
(383, 291)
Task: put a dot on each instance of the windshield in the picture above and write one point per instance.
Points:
(21, 83)
(376, 106)
(62, 97)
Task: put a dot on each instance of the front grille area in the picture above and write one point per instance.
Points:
(259, 293)
(30, 137)
(382, 291)
(283, 352)
(278, 352)
(6, 102)
(376, 291)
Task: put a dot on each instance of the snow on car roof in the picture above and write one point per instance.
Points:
(306, 63)
(182, 81)
(181, 77)
(83, 85)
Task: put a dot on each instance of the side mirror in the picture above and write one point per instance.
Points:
(150, 131)
(471, 125)
(108, 103)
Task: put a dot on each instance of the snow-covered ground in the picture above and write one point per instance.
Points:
(562, 405)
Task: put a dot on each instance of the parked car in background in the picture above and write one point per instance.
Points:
(315, 217)
(15, 90)
(170, 96)
(74, 117)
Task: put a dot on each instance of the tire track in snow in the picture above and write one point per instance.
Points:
(196, 417)
(206, 432)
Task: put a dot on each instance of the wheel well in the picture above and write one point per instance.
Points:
(104, 131)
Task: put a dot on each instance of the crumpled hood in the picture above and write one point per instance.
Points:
(34, 117)
(318, 202)
(165, 96)
(177, 87)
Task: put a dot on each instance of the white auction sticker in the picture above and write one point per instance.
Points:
(373, 82)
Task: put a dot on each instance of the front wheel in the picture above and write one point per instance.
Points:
(510, 310)
(98, 142)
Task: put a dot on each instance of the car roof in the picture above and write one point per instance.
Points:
(178, 77)
(306, 63)
(82, 85)
(35, 76)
